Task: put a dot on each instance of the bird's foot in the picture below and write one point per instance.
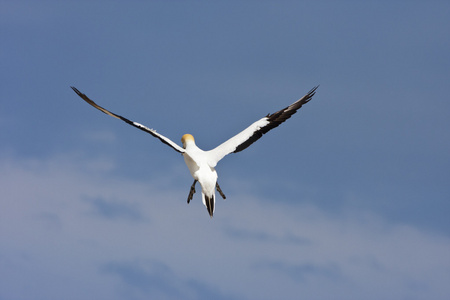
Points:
(191, 192)
(220, 191)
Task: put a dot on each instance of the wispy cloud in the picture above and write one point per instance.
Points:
(278, 250)
(300, 272)
(115, 209)
(264, 236)
(156, 280)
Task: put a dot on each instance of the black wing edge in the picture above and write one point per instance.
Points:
(277, 118)
(134, 124)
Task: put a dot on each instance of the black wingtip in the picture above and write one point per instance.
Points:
(311, 93)
(76, 90)
(308, 97)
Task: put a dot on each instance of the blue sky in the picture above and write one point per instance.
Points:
(349, 199)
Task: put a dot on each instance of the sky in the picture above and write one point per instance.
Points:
(349, 199)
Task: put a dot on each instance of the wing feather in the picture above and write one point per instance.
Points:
(153, 132)
(255, 131)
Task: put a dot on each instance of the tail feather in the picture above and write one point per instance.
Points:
(209, 203)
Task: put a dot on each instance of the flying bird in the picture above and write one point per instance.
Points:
(202, 163)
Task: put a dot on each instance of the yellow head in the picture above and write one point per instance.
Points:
(187, 138)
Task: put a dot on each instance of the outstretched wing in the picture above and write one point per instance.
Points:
(135, 124)
(255, 131)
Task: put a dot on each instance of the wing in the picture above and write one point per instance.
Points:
(255, 131)
(137, 125)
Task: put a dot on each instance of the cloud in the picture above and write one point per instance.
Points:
(70, 223)
(140, 279)
(157, 279)
(115, 209)
(300, 272)
(263, 236)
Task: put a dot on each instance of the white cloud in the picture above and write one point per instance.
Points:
(71, 230)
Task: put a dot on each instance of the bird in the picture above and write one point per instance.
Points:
(202, 164)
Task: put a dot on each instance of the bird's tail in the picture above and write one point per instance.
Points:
(209, 203)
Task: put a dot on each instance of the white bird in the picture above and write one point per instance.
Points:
(201, 163)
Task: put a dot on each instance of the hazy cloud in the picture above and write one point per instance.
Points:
(115, 209)
(278, 250)
(142, 280)
(262, 236)
(300, 272)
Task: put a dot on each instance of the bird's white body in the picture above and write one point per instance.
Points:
(201, 163)
(198, 164)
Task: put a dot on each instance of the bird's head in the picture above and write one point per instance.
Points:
(186, 139)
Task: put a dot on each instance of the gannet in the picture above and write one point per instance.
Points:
(200, 163)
